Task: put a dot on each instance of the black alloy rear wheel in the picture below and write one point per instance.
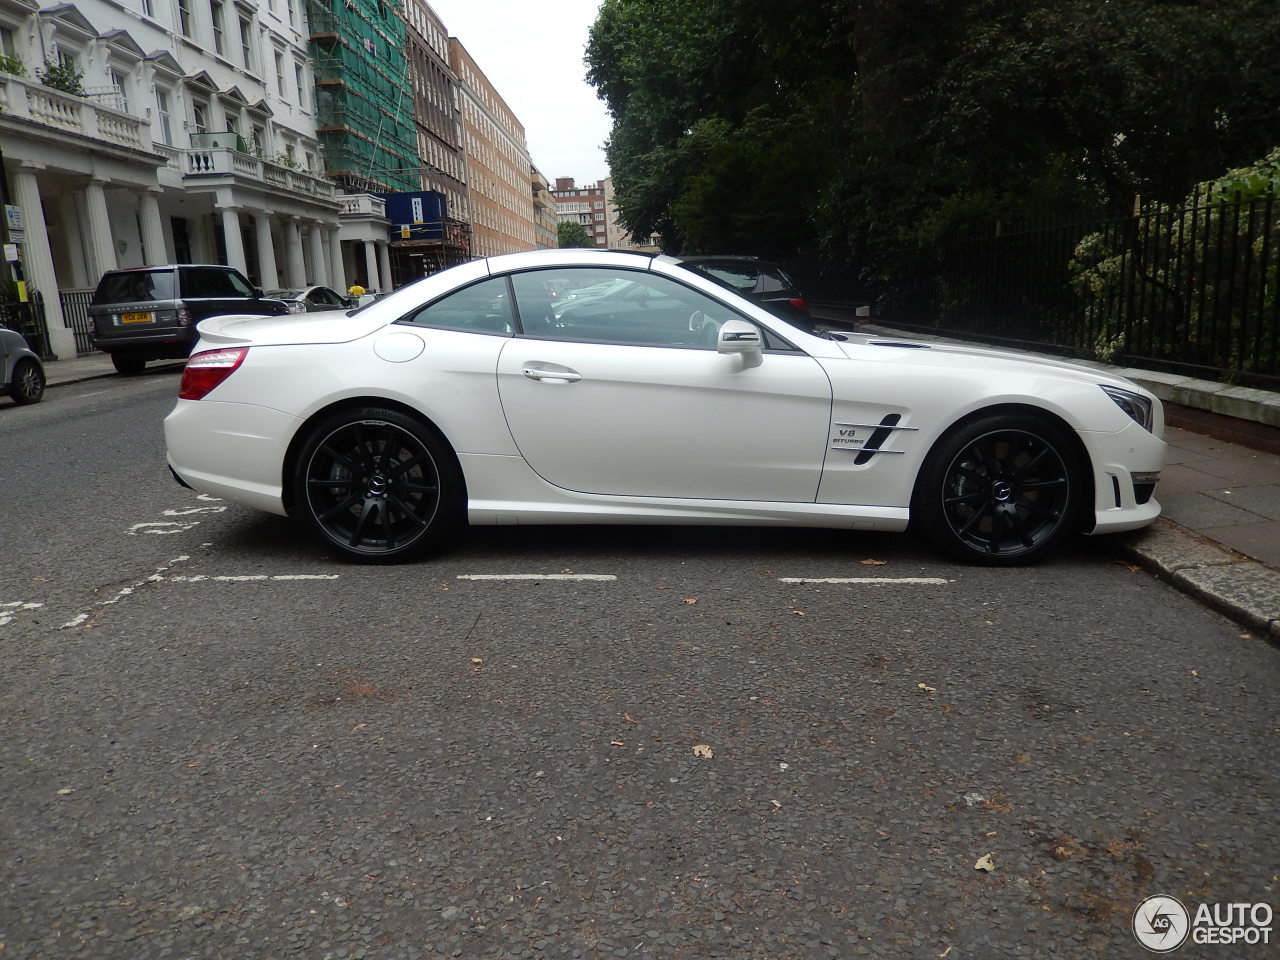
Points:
(128, 365)
(1001, 490)
(378, 485)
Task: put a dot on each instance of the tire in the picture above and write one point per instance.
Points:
(378, 485)
(27, 385)
(128, 365)
(1001, 490)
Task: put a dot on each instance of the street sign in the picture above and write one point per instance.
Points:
(13, 215)
(11, 252)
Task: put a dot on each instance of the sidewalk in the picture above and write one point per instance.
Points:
(1218, 537)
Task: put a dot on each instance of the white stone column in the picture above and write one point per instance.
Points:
(319, 264)
(295, 268)
(37, 260)
(232, 239)
(154, 249)
(337, 275)
(384, 264)
(370, 266)
(267, 272)
(101, 245)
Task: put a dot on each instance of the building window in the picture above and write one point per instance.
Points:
(280, 72)
(299, 75)
(147, 9)
(219, 38)
(162, 112)
(184, 18)
(120, 85)
(259, 145)
(200, 116)
(246, 42)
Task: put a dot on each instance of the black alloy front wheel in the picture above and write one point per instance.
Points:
(1000, 490)
(27, 385)
(378, 485)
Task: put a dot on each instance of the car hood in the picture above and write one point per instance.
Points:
(859, 346)
(327, 326)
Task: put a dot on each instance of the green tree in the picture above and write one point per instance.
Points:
(857, 125)
(570, 233)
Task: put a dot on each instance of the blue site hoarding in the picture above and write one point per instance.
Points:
(421, 214)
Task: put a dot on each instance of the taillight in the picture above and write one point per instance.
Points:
(206, 370)
(184, 316)
(799, 303)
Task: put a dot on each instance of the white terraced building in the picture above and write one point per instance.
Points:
(183, 132)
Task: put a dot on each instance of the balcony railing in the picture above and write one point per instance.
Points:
(30, 100)
(224, 162)
(362, 205)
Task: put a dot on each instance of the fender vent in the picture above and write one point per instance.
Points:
(877, 438)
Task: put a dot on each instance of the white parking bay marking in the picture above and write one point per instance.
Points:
(255, 577)
(9, 609)
(934, 581)
(536, 576)
(170, 526)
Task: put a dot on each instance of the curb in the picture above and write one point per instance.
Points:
(1233, 584)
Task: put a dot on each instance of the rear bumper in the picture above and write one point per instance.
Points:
(230, 450)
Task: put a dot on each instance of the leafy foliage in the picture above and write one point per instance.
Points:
(1197, 280)
(61, 76)
(570, 233)
(852, 126)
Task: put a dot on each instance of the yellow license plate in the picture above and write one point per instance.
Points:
(135, 318)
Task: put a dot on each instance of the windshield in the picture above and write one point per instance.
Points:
(133, 286)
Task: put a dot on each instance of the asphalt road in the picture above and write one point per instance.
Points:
(222, 742)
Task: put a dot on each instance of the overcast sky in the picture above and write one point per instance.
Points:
(532, 54)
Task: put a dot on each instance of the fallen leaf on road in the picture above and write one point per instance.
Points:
(616, 743)
(944, 953)
(690, 599)
(358, 726)
(985, 863)
(64, 791)
(627, 717)
(703, 750)
(798, 613)
(926, 688)
(478, 661)
(873, 563)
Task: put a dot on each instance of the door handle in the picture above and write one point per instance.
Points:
(550, 373)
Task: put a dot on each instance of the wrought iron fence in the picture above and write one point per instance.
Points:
(1192, 289)
(75, 312)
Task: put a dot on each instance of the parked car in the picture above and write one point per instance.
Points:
(311, 299)
(467, 396)
(150, 313)
(21, 372)
(760, 280)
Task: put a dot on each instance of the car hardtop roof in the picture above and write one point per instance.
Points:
(171, 266)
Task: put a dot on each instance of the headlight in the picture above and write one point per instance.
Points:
(1134, 404)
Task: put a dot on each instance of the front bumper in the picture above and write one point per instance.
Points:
(1126, 466)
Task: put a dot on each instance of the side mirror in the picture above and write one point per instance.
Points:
(741, 337)
(257, 293)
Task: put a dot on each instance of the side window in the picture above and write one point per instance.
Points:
(484, 307)
(616, 306)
